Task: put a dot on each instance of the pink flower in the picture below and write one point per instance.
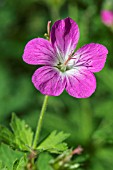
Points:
(63, 68)
(77, 150)
(107, 17)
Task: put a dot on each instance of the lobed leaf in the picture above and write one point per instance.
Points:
(43, 161)
(54, 142)
(22, 132)
(2, 167)
(8, 156)
(6, 135)
(20, 164)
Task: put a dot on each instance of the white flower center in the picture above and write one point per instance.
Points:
(63, 68)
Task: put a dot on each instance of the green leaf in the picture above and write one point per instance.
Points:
(22, 132)
(6, 135)
(2, 167)
(20, 164)
(54, 142)
(9, 156)
(43, 161)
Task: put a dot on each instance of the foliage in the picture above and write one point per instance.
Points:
(16, 151)
(21, 137)
(23, 134)
(43, 161)
(8, 157)
(53, 143)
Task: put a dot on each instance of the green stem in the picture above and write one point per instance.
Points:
(39, 125)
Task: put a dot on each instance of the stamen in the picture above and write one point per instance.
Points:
(67, 61)
(47, 35)
(70, 57)
(48, 29)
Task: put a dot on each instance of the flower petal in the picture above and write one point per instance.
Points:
(49, 81)
(64, 36)
(107, 17)
(93, 56)
(39, 51)
(81, 83)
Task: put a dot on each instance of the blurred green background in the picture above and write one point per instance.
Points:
(89, 121)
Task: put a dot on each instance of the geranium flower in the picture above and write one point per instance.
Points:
(107, 17)
(63, 68)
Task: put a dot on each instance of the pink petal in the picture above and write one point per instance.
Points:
(49, 81)
(81, 83)
(64, 36)
(39, 51)
(93, 56)
(107, 17)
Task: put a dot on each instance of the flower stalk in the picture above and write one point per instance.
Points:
(39, 125)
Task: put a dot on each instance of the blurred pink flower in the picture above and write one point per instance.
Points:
(77, 150)
(107, 17)
(63, 68)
